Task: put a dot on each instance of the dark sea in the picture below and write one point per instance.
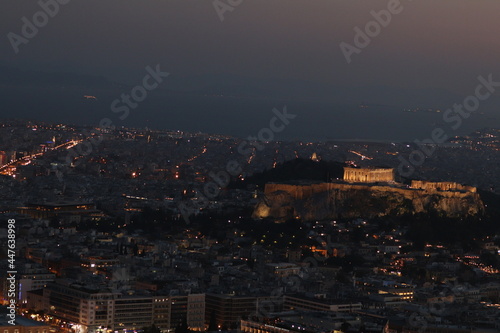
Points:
(235, 116)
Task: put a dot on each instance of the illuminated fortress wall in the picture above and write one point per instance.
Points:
(368, 175)
(441, 186)
(333, 200)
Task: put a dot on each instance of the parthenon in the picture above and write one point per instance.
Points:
(365, 175)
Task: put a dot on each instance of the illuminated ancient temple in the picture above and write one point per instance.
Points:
(364, 175)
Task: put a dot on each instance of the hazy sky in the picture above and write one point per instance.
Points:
(430, 43)
(442, 44)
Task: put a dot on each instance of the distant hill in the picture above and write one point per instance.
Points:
(297, 169)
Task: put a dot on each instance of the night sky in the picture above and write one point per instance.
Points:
(265, 54)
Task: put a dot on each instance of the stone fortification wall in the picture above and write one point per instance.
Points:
(441, 186)
(334, 200)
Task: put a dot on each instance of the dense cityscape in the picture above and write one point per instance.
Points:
(249, 166)
(116, 230)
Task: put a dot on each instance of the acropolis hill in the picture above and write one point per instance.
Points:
(367, 193)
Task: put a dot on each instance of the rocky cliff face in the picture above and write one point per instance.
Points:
(332, 200)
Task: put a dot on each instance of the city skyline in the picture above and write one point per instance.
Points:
(249, 166)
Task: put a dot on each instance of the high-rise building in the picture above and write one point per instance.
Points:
(87, 307)
(133, 312)
(32, 280)
(304, 303)
(91, 309)
(228, 310)
(171, 311)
